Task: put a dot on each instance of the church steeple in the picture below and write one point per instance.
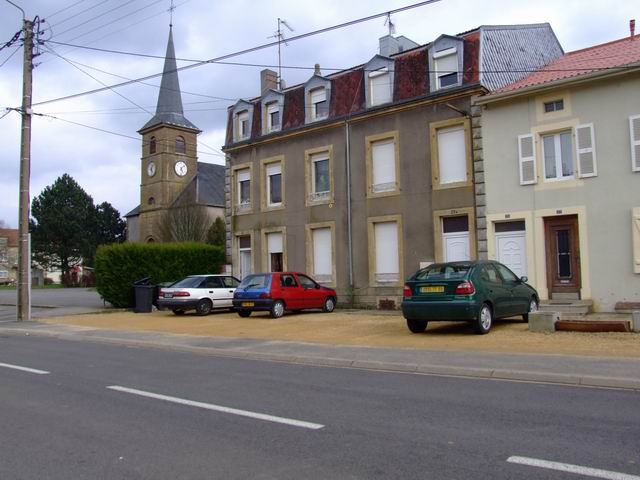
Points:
(169, 108)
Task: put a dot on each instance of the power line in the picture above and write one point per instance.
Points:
(249, 50)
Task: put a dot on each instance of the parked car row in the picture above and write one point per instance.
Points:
(472, 291)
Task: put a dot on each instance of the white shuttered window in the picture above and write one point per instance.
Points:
(380, 87)
(586, 151)
(527, 159)
(386, 252)
(452, 156)
(383, 156)
(322, 266)
(634, 132)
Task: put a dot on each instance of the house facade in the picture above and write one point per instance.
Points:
(562, 176)
(362, 176)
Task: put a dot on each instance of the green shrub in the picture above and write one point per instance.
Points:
(118, 266)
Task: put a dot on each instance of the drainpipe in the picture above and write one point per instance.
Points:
(347, 138)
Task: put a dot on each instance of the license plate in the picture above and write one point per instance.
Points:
(247, 304)
(432, 289)
(168, 295)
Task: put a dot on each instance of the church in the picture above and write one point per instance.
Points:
(173, 184)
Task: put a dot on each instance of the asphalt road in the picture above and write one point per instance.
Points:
(89, 410)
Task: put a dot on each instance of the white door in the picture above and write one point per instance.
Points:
(456, 246)
(511, 250)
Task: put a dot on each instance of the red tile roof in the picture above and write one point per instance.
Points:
(612, 55)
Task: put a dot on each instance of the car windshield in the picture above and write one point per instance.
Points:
(189, 282)
(260, 280)
(445, 271)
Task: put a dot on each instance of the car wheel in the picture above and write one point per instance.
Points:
(204, 307)
(482, 324)
(244, 313)
(416, 326)
(533, 307)
(329, 305)
(177, 311)
(277, 309)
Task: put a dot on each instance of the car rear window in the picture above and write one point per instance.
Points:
(255, 281)
(443, 272)
(189, 282)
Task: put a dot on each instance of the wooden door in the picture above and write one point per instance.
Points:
(563, 255)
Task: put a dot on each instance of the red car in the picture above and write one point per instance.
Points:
(276, 292)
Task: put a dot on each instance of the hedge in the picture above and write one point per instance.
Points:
(118, 266)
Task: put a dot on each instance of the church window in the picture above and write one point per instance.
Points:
(152, 145)
(180, 145)
(151, 201)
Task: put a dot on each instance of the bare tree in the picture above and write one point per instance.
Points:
(184, 224)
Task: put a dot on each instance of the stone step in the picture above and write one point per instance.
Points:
(567, 308)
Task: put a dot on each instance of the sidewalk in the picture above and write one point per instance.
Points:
(368, 340)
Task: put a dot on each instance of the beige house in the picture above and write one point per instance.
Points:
(362, 176)
(8, 255)
(561, 186)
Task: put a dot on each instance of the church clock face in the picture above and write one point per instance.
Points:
(151, 169)
(180, 168)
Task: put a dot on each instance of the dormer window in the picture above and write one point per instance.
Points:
(273, 117)
(446, 67)
(380, 84)
(317, 94)
(445, 62)
(242, 124)
(242, 118)
(319, 105)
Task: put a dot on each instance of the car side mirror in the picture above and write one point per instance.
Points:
(524, 279)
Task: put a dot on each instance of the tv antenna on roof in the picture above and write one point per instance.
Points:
(279, 34)
(390, 24)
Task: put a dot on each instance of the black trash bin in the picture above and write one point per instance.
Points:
(143, 291)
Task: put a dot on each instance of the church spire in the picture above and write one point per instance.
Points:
(169, 108)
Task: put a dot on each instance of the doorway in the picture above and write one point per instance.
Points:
(563, 256)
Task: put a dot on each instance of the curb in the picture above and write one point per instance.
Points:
(533, 376)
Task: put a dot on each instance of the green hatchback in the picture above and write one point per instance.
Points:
(473, 291)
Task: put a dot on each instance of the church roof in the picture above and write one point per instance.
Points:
(169, 108)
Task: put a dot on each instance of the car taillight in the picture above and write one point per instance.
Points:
(406, 291)
(465, 288)
(181, 294)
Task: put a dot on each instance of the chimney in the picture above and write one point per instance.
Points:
(632, 28)
(268, 80)
(316, 70)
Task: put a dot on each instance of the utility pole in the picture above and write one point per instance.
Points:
(24, 241)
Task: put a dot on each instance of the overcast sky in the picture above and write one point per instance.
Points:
(105, 159)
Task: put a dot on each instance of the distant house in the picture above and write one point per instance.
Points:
(362, 176)
(561, 189)
(8, 255)
(170, 174)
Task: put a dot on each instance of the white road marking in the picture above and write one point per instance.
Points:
(24, 369)
(219, 408)
(577, 469)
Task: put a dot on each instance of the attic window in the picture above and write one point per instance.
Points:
(554, 106)
(380, 86)
(319, 105)
(445, 64)
(273, 116)
(242, 124)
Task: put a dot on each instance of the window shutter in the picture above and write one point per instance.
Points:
(586, 151)
(383, 156)
(380, 87)
(527, 159)
(386, 255)
(635, 218)
(452, 155)
(322, 266)
(634, 131)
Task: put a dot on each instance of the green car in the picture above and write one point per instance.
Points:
(473, 291)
